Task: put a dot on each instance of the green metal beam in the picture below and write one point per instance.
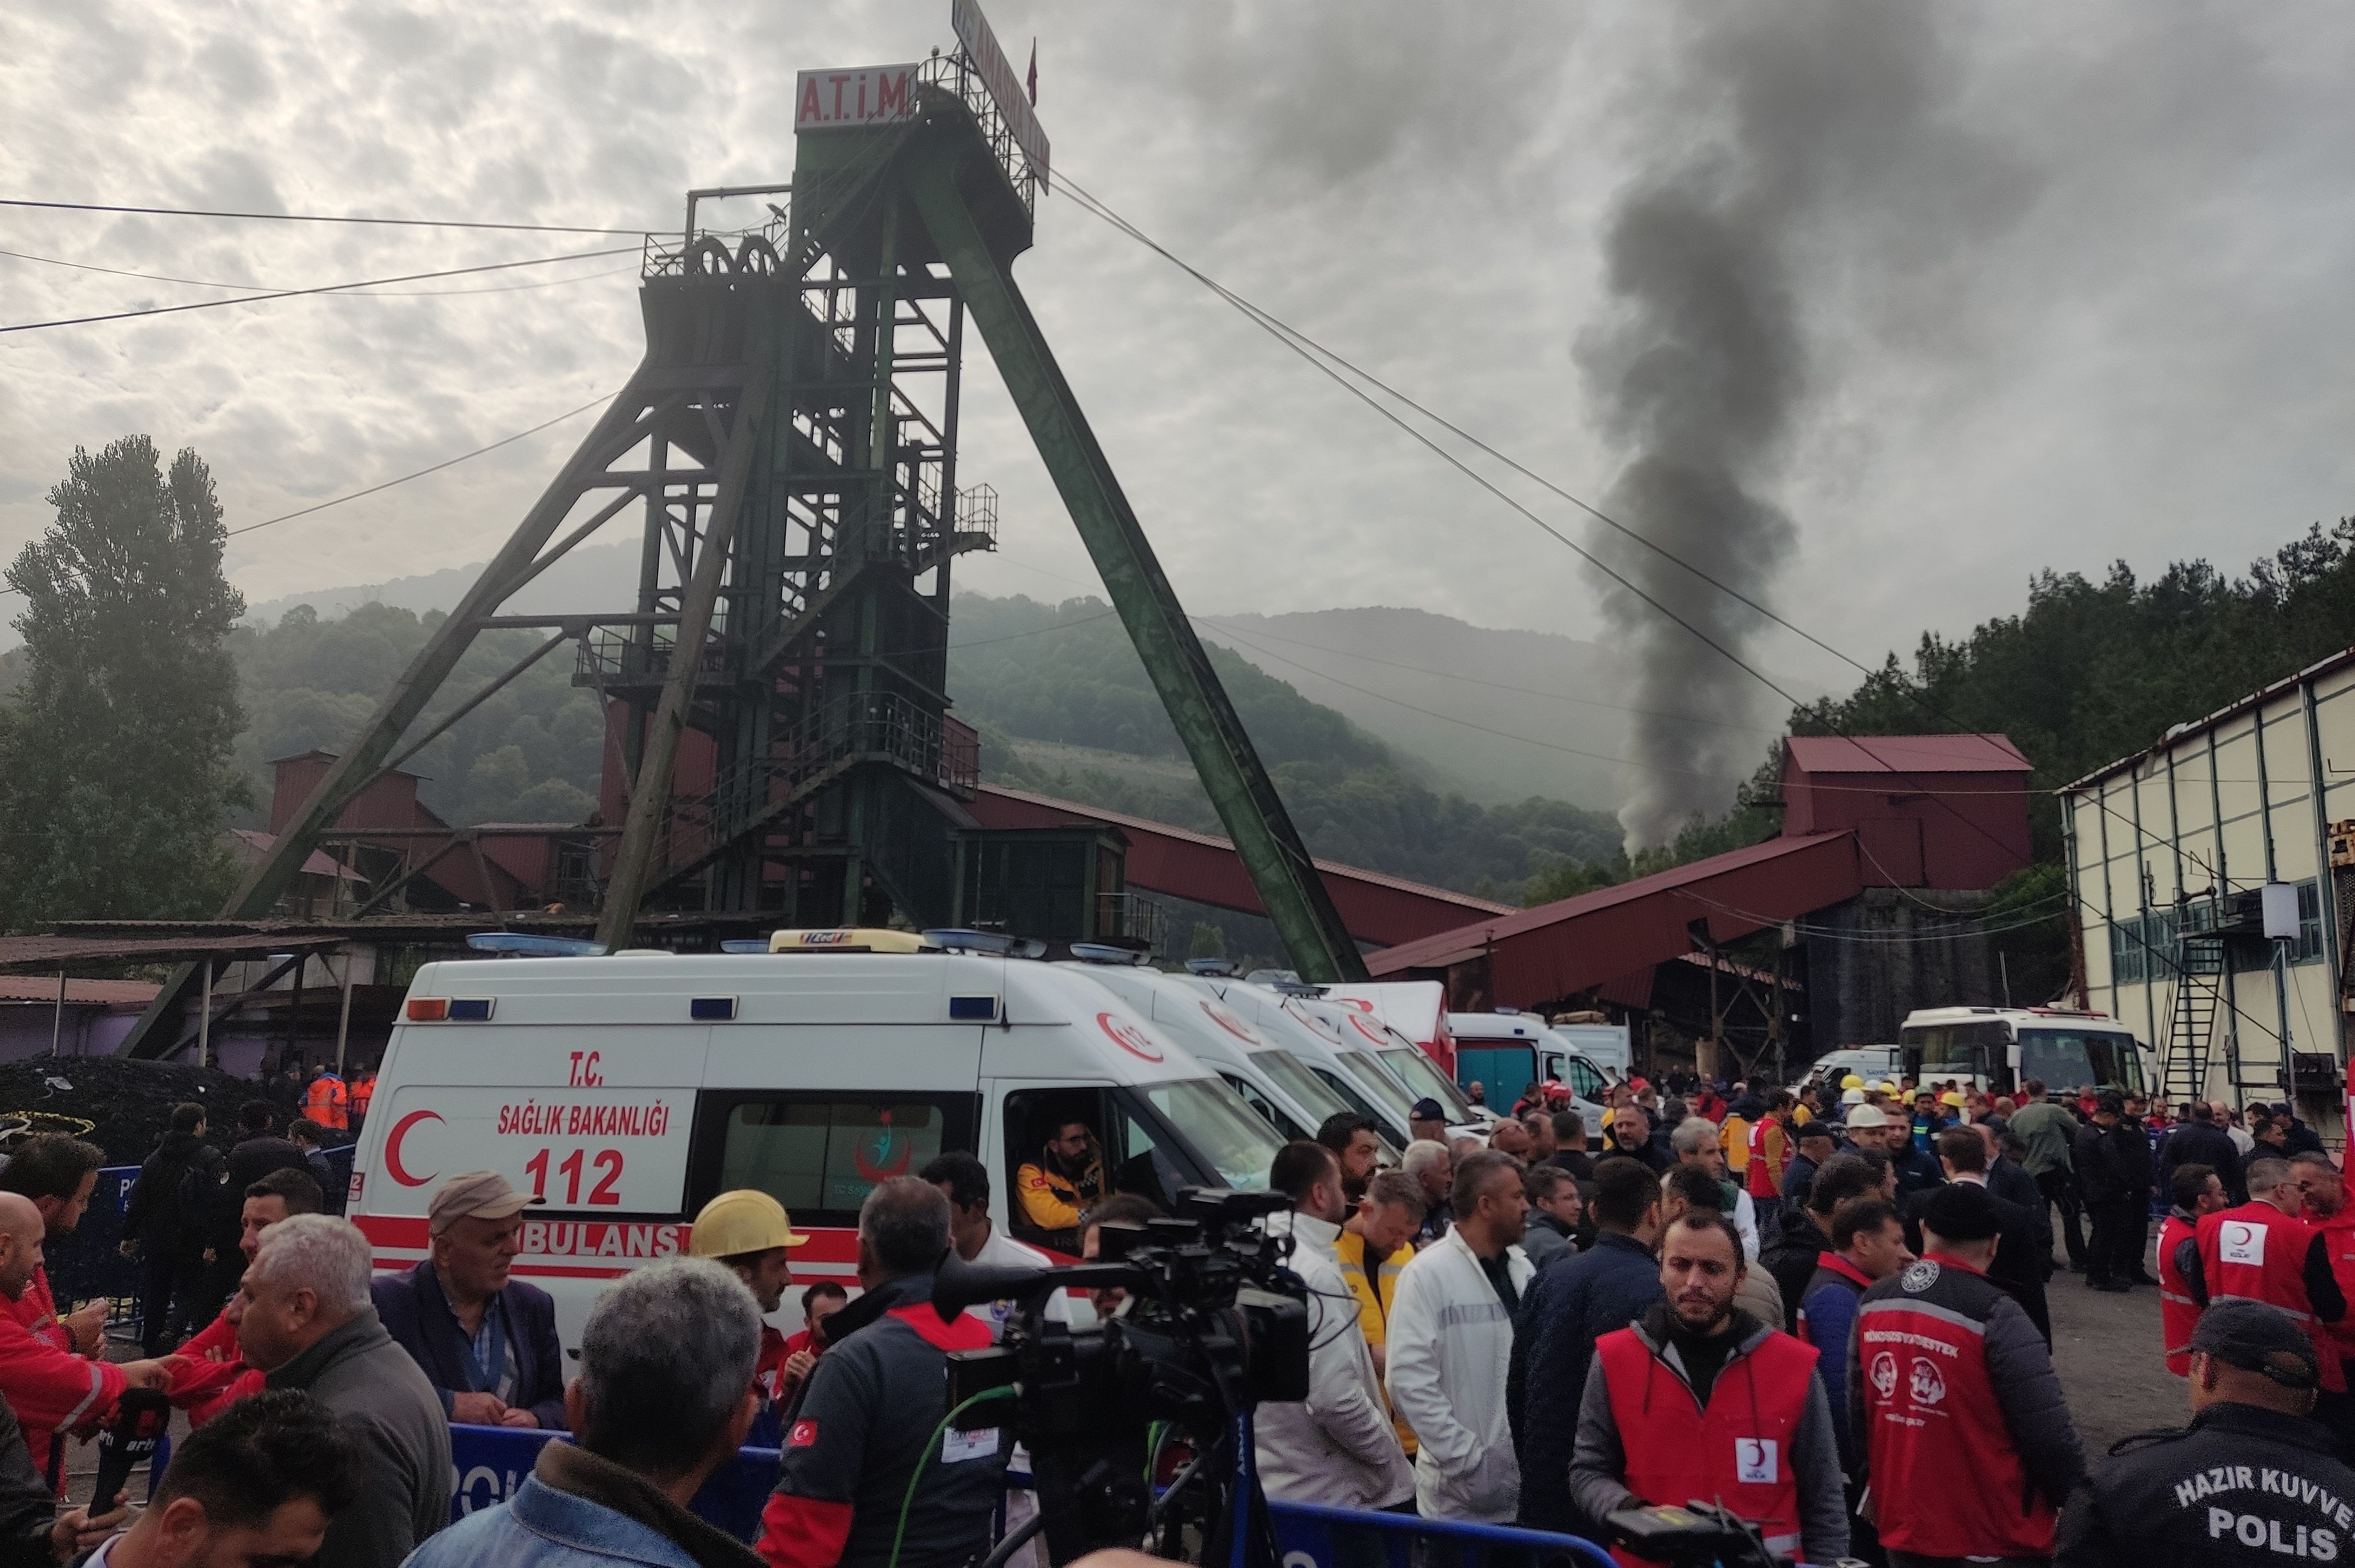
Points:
(1239, 787)
(156, 1033)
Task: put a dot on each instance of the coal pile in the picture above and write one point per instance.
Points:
(128, 1104)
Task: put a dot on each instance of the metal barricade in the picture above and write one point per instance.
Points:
(1309, 1535)
(488, 1463)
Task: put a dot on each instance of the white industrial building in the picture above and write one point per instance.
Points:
(2208, 917)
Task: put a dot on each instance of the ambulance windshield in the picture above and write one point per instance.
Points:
(1227, 1140)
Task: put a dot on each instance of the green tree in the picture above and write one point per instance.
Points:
(115, 769)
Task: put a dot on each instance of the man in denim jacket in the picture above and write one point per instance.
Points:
(663, 1399)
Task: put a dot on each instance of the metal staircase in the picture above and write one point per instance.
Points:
(2199, 962)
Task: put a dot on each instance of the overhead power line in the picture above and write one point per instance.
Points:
(322, 289)
(315, 218)
(383, 294)
(422, 472)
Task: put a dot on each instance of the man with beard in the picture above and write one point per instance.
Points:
(1753, 1432)
(1359, 1147)
(1630, 1135)
(1061, 1186)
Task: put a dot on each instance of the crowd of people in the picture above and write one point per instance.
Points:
(1824, 1309)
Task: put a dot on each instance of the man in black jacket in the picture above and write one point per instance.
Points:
(254, 1156)
(2020, 1266)
(1564, 1311)
(2254, 1479)
(2202, 1141)
(164, 1223)
(2107, 1155)
(1807, 1236)
(485, 1341)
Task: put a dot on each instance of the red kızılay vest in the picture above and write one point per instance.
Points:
(2178, 1312)
(1736, 1452)
(2338, 1233)
(2259, 1252)
(1767, 1166)
(1935, 1442)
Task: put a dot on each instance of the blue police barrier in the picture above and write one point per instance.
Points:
(488, 1463)
(1306, 1538)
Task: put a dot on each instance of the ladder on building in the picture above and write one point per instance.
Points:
(2198, 995)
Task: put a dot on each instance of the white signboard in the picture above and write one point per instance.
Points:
(845, 99)
(581, 1147)
(1005, 86)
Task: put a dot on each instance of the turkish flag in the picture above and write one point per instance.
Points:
(1034, 73)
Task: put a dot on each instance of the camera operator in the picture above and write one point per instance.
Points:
(1451, 1340)
(865, 1424)
(1336, 1447)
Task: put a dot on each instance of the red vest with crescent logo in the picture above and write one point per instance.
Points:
(1936, 1445)
(1736, 1451)
(2257, 1252)
(2178, 1313)
(2338, 1233)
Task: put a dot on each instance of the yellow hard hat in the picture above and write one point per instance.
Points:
(1852, 1082)
(1886, 1087)
(1951, 1098)
(744, 1220)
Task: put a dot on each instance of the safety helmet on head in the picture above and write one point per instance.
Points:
(1852, 1082)
(744, 1220)
(1852, 1096)
(1951, 1098)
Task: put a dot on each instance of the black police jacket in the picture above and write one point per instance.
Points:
(2240, 1484)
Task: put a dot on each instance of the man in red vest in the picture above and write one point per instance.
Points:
(2263, 1251)
(2199, 1192)
(1967, 1449)
(2324, 1192)
(1698, 1399)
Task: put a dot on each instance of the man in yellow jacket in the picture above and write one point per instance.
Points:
(1066, 1178)
(1376, 1244)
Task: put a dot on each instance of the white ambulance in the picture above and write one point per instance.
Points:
(1270, 1078)
(627, 1090)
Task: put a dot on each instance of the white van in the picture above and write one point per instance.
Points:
(1320, 1035)
(1272, 1079)
(1515, 1048)
(627, 1091)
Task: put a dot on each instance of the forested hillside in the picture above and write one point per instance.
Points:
(1022, 671)
(1066, 674)
(529, 754)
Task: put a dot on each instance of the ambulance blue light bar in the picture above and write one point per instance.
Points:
(712, 1009)
(524, 945)
(451, 1009)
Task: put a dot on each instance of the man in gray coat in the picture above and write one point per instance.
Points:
(309, 1324)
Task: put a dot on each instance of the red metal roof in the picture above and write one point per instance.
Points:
(315, 865)
(1906, 754)
(1560, 949)
(1201, 867)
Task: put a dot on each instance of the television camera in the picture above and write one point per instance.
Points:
(1213, 1323)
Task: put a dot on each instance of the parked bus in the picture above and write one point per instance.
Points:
(1998, 1048)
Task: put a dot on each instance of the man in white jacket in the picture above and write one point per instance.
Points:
(1451, 1343)
(1336, 1447)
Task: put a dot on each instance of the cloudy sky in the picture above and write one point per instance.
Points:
(2036, 286)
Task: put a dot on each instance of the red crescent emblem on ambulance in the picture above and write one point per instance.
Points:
(1369, 1031)
(400, 1130)
(1128, 1037)
(1229, 1022)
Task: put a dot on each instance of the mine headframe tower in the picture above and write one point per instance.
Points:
(779, 734)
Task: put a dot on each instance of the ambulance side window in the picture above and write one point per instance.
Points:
(820, 1153)
(1585, 1082)
(1265, 1108)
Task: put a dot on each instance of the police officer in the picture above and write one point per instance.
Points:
(2251, 1480)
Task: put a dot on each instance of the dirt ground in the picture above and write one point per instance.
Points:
(2106, 1349)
